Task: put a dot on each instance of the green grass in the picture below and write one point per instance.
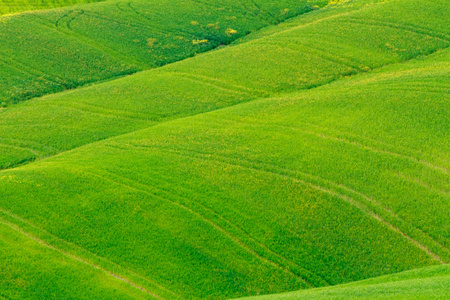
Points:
(30, 269)
(16, 6)
(50, 51)
(425, 283)
(228, 75)
(309, 154)
(164, 192)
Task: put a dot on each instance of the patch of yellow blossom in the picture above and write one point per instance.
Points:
(197, 42)
(230, 31)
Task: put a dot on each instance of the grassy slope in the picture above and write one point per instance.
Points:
(49, 51)
(152, 200)
(57, 123)
(425, 283)
(327, 203)
(16, 6)
(29, 269)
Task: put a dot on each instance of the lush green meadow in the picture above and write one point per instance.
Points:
(49, 51)
(308, 154)
(220, 195)
(16, 6)
(218, 79)
(32, 270)
(425, 283)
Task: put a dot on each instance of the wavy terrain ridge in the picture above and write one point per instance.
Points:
(308, 154)
(426, 283)
(49, 51)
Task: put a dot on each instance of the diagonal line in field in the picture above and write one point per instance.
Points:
(43, 243)
(218, 109)
(315, 86)
(134, 65)
(400, 26)
(202, 217)
(282, 171)
(122, 278)
(370, 148)
(346, 198)
(241, 231)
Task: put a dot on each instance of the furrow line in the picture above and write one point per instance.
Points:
(241, 231)
(20, 148)
(442, 192)
(75, 16)
(16, 217)
(16, 228)
(131, 114)
(227, 85)
(363, 208)
(204, 82)
(161, 28)
(400, 26)
(373, 149)
(284, 171)
(119, 8)
(100, 111)
(360, 145)
(83, 111)
(213, 224)
(285, 260)
(415, 89)
(345, 133)
(266, 12)
(266, 94)
(320, 54)
(247, 9)
(132, 14)
(23, 142)
(21, 67)
(294, 28)
(413, 241)
(428, 164)
(61, 18)
(83, 39)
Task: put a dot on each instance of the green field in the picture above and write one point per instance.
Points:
(309, 153)
(53, 50)
(17, 6)
(426, 283)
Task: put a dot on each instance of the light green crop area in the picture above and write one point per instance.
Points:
(425, 283)
(16, 6)
(32, 269)
(308, 154)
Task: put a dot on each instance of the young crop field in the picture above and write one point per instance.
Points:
(30, 268)
(53, 50)
(311, 149)
(16, 6)
(425, 283)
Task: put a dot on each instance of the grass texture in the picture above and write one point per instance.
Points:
(49, 51)
(425, 283)
(308, 154)
(17, 6)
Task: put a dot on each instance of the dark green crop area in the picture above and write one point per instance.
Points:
(49, 51)
(304, 156)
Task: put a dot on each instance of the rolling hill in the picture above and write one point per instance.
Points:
(52, 50)
(426, 283)
(309, 153)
